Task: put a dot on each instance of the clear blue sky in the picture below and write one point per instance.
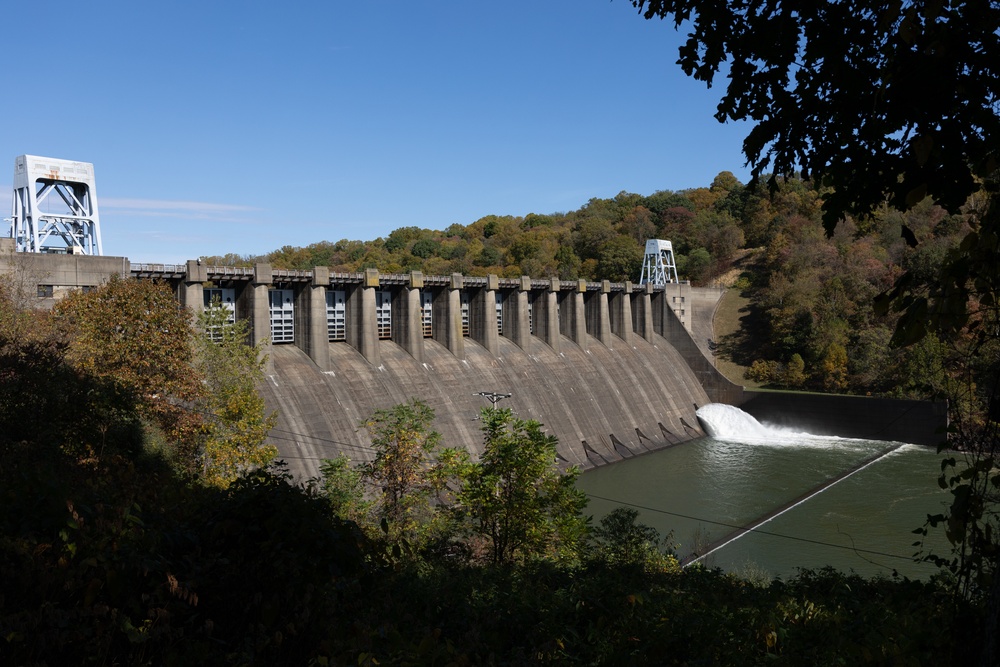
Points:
(219, 126)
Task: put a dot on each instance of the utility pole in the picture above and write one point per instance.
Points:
(493, 397)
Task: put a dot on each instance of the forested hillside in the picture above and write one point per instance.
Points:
(603, 239)
(811, 322)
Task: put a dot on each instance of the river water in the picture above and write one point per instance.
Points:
(850, 504)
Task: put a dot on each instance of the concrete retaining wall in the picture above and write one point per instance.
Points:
(47, 278)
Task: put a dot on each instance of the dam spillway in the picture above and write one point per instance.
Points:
(603, 404)
(610, 369)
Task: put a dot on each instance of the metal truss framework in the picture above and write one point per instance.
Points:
(69, 222)
(658, 265)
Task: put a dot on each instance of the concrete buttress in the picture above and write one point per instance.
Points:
(407, 325)
(447, 317)
(483, 316)
(362, 327)
(310, 318)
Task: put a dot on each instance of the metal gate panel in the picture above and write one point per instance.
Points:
(499, 300)
(227, 300)
(336, 315)
(465, 312)
(383, 314)
(426, 313)
(282, 309)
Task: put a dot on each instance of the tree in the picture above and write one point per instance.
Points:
(568, 263)
(236, 421)
(834, 368)
(725, 182)
(675, 223)
(489, 256)
(46, 401)
(402, 498)
(888, 102)
(133, 334)
(403, 442)
(620, 259)
(515, 495)
(19, 286)
(880, 99)
(622, 542)
(795, 372)
(695, 265)
(342, 486)
(639, 225)
(398, 239)
(525, 246)
(590, 234)
(425, 248)
(723, 237)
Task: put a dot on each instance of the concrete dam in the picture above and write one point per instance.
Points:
(603, 403)
(594, 362)
(612, 370)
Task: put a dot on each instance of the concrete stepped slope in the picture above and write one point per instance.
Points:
(603, 404)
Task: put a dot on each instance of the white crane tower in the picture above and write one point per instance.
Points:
(66, 223)
(658, 265)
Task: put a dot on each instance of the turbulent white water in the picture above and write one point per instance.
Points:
(820, 498)
(727, 422)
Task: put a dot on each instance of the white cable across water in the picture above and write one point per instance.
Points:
(727, 422)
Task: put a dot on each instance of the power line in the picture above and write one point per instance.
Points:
(295, 438)
(316, 458)
(750, 530)
(743, 529)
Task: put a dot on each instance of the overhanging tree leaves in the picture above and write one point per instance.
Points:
(888, 101)
(883, 99)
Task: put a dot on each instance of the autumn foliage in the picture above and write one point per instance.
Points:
(133, 335)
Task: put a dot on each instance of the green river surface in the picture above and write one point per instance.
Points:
(702, 490)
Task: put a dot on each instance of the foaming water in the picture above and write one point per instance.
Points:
(699, 491)
(729, 423)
